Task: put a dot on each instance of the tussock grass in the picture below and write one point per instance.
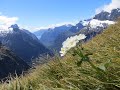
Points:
(64, 74)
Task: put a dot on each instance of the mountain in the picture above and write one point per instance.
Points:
(10, 63)
(40, 32)
(64, 73)
(90, 24)
(60, 39)
(53, 38)
(77, 27)
(113, 15)
(23, 43)
(90, 28)
(50, 35)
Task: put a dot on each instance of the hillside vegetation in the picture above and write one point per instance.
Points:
(64, 74)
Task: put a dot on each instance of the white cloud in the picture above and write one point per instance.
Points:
(6, 22)
(113, 5)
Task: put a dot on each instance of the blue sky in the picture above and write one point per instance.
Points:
(39, 13)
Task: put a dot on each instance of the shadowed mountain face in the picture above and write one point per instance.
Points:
(23, 43)
(48, 38)
(10, 63)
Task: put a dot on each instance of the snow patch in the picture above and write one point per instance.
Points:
(94, 23)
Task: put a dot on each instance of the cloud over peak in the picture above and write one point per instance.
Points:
(6, 22)
(113, 5)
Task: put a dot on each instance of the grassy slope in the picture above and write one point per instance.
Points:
(66, 75)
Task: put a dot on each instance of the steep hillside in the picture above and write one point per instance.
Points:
(65, 74)
(10, 63)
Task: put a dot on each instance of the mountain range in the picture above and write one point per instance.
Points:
(23, 43)
(19, 46)
(113, 15)
(53, 38)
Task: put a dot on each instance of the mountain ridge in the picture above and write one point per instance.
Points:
(113, 15)
(64, 73)
(25, 44)
(49, 36)
(90, 27)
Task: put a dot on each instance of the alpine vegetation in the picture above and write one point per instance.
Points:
(70, 43)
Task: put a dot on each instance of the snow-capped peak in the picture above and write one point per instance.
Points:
(13, 29)
(94, 23)
(112, 16)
